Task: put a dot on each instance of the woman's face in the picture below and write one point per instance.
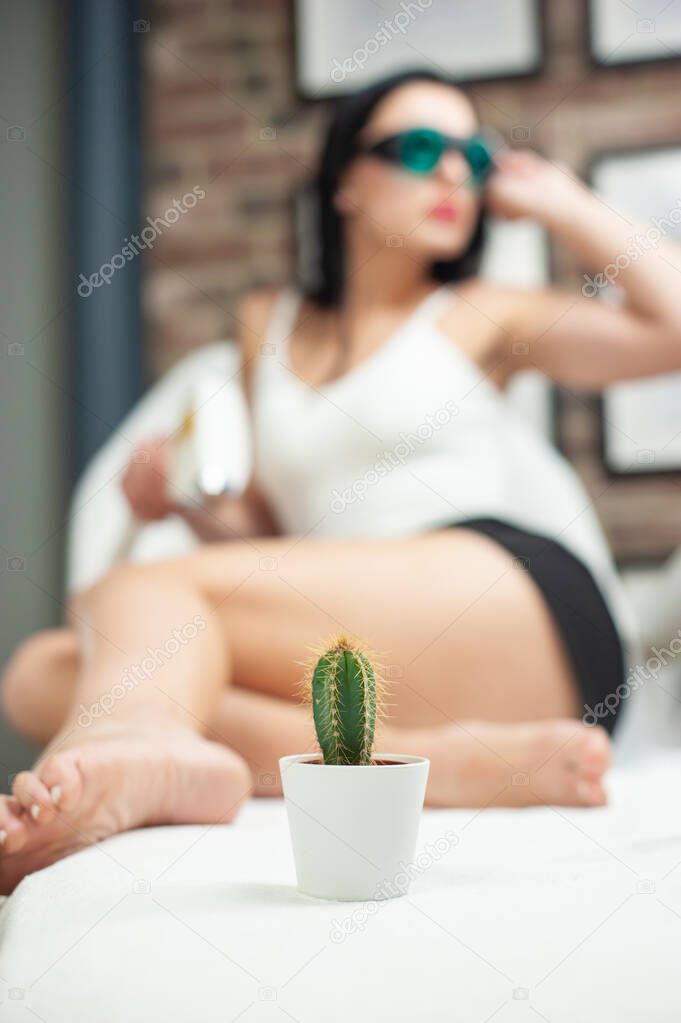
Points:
(434, 215)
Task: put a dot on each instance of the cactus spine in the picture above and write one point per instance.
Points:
(345, 692)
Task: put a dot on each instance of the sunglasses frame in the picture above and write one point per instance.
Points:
(391, 149)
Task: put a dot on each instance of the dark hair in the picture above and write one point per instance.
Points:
(349, 116)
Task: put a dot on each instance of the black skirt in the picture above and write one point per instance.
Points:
(578, 608)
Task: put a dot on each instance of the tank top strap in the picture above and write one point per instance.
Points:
(283, 319)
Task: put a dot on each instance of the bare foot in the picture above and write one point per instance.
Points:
(114, 779)
(476, 763)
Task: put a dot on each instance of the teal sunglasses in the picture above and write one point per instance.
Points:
(419, 151)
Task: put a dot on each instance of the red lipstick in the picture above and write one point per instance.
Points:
(444, 211)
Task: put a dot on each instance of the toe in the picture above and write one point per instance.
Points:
(33, 796)
(596, 753)
(12, 828)
(555, 741)
(61, 778)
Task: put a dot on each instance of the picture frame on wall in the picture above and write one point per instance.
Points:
(635, 32)
(641, 419)
(342, 45)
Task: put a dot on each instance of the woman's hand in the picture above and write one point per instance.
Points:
(524, 184)
(145, 483)
(230, 517)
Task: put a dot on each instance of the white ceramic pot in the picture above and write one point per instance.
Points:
(354, 829)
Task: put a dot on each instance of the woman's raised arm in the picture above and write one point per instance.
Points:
(574, 338)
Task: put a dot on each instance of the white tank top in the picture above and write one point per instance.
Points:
(413, 438)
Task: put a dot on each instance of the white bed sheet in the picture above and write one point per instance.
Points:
(560, 915)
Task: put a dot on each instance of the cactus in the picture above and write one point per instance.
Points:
(345, 695)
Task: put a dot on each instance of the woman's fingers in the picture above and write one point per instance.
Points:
(145, 483)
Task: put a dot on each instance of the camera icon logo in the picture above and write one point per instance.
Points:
(141, 25)
(394, 241)
(520, 133)
(267, 133)
(15, 133)
(16, 564)
(267, 994)
(268, 564)
(15, 348)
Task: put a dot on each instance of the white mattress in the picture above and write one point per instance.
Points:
(560, 915)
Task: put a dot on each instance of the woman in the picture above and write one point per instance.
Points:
(395, 497)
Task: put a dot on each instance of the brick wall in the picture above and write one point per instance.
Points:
(223, 115)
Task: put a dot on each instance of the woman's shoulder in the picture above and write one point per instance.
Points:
(493, 299)
(481, 317)
(258, 308)
(254, 312)
(478, 299)
(253, 316)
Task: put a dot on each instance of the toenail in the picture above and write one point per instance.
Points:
(35, 811)
(55, 793)
(3, 836)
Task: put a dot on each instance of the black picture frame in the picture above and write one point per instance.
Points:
(642, 59)
(645, 465)
(499, 72)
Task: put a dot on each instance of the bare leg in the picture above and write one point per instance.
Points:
(464, 631)
(503, 764)
(473, 763)
(143, 762)
(461, 631)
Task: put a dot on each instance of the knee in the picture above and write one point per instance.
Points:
(121, 576)
(35, 666)
(125, 579)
